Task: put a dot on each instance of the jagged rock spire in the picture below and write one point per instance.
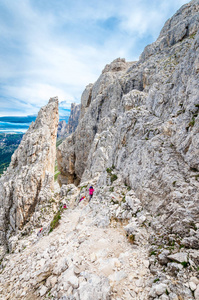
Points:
(31, 167)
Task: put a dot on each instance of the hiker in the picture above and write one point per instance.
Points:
(91, 191)
(82, 198)
(64, 206)
(39, 231)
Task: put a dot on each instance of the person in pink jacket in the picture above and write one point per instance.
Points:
(91, 191)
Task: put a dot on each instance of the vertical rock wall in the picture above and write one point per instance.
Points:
(31, 167)
(66, 129)
(74, 117)
(142, 118)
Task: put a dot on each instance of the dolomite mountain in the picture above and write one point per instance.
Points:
(30, 171)
(137, 143)
(66, 129)
(142, 119)
(74, 117)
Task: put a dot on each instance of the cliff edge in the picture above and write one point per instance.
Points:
(30, 171)
(139, 121)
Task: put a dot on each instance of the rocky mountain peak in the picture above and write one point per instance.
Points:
(119, 64)
(182, 25)
(30, 170)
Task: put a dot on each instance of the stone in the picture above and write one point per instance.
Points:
(194, 280)
(173, 296)
(164, 297)
(51, 281)
(60, 266)
(139, 282)
(93, 257)
(95, 288)
(192, 285)
(163, 257)
(12, 243)
(158, 289)
(174, 268)
(179, 257)
(43, 290)
(196, 293)
(73, 281)
(118, 276)
(146, 263)
(191, 242)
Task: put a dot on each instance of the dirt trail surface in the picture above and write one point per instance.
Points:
(85, 257)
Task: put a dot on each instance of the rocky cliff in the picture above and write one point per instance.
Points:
(137, 144)
(74, 118)
(139, 121)
(30, 171)
(142, 118)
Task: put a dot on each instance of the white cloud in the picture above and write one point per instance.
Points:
(58, 47)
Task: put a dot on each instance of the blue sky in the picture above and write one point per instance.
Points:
(56, 47)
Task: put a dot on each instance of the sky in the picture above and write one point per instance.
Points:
(56, 47)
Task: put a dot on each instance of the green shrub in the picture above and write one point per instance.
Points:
(123, 199)
(192, 122)
(55, 221)
(113, 177)
(82, 187)
(192, 35)
(153, 253)
(109, 170)
(185, 264)
(196, 177)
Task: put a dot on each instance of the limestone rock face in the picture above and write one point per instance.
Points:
(74, 117)
(30, 171)
(61, 130)
(142, 119)
(65, 129)
(73, 153)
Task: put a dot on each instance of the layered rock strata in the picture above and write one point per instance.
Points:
(30, 171)
(140, 120)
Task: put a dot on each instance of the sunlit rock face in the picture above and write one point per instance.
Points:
(142, 118)
(30, 170)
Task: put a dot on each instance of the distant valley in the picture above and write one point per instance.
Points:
(8, 144)
(12, 129)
